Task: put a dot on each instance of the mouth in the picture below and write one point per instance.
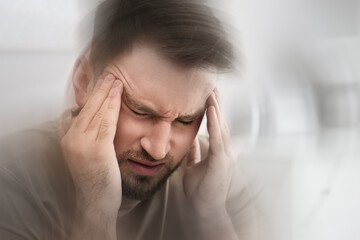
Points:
(145, 168)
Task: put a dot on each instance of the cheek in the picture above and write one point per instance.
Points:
(128, 132)
(131, 129)
(184, 137)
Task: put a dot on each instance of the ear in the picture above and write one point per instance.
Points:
(81, 77)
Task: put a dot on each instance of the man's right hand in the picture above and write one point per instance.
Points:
(90, 154)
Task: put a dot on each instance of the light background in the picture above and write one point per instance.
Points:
(294, 109)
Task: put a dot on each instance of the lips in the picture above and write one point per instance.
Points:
(144, 167)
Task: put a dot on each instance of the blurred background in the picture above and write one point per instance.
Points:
(293, 104)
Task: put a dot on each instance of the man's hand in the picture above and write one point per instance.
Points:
(90, 154)
(206, 182)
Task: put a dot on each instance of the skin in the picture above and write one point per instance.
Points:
(171, 101)
(152, 113)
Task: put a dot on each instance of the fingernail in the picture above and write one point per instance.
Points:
(116, 83)
(100, 81)
(109, 77)
(114, 92)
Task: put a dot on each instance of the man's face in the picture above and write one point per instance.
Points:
(161, 111)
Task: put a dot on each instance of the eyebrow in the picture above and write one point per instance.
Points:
(144, 109)
(137, 105)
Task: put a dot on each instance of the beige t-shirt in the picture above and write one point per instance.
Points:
(37, 196)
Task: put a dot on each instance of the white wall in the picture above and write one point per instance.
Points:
(37, 50)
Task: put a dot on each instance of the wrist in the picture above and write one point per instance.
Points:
(92, 223)
(210, 212)
(215, 225)
(97, 208)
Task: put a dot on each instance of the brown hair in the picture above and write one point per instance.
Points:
(185, 31)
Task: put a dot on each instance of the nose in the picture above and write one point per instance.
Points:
(157, 142)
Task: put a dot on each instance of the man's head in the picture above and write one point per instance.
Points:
(184, 31)
(167, 54)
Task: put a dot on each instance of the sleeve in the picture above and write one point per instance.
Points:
(240, 206)
(33, 196)
(22, 216)
(240, 203)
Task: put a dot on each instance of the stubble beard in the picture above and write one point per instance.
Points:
(140, 187)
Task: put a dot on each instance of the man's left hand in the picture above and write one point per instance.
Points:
(206, 182)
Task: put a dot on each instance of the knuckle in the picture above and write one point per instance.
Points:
(74, 147)
(98, 116)
(106, 124)
(89, 109)
(102, 91)
(81, 118)
(105, 132)
(66, 142)
(112, 105)
(219, 146)
(220, 156)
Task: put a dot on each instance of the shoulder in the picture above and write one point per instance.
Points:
(32, 154)
(33, 179)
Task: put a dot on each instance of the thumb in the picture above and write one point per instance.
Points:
(194, 153)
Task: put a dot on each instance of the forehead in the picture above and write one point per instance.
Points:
(151, 79)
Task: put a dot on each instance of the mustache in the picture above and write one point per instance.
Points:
(142, 155)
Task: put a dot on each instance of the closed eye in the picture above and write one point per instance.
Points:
(135, 112)
(138, 113)
(185, 122)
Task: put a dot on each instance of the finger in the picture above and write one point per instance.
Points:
(225, 133)
(217, 100)
(76, 110)
(93, 129)
(99, 83)
(212, 101)
(194, 154)
(213, 126)
(108, 124)
(94, 125)
(94, 103)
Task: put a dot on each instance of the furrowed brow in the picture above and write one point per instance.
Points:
(137, 105)
(192, 117)
(147, 110)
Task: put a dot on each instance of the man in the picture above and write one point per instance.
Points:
(128, 164)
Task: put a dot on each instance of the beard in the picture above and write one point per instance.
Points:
(140, 187)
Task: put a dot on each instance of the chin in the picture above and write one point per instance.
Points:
(140, 187)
